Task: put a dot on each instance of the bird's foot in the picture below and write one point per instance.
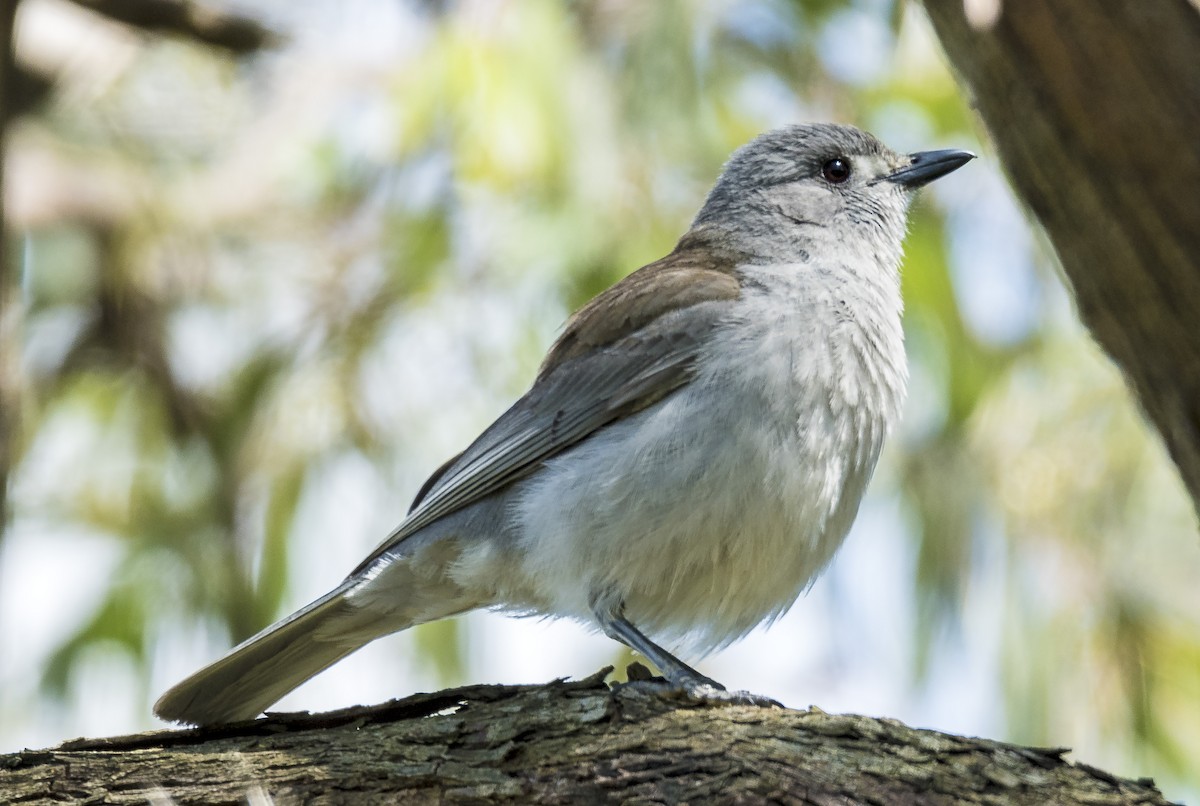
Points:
(707, 694)
(693, 687)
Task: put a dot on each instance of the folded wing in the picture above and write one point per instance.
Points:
(630, 347)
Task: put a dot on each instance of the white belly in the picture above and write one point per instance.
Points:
(713, 510)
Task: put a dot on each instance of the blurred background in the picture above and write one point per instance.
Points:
(257, 296)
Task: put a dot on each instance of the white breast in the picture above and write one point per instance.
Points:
(713, 510)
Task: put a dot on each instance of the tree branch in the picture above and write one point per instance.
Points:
(210, 26)
(561, 743)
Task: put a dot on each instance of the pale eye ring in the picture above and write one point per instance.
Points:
(836, 171)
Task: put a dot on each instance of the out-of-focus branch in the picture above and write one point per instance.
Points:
(211, 26)
(8, 12)
(23, 90)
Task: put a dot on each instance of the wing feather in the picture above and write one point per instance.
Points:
(627, 349)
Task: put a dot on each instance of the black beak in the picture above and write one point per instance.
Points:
(927, 166)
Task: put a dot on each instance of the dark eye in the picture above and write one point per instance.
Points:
(836, 171)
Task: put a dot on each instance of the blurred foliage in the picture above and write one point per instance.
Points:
(229, 267)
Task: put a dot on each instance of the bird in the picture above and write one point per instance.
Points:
(690, 455)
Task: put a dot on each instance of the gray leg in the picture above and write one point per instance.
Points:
(681, 676)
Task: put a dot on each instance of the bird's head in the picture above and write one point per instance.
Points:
(820, 182)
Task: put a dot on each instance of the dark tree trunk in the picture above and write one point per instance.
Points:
(1094, 108)
(562, 743)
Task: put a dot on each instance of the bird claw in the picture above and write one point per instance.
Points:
(699, 690)
(717, 695)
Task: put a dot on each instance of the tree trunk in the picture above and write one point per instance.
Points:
(1094, 108)
(562, 743)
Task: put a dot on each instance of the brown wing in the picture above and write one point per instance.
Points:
(626, 349)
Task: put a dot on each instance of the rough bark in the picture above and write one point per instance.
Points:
(562, 743)
(1094, 108)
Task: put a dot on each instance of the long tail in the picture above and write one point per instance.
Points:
(261, 670)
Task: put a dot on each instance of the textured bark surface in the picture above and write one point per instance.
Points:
(562, 743)
(1094, 108)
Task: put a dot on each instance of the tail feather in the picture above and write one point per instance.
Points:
(261, 670)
